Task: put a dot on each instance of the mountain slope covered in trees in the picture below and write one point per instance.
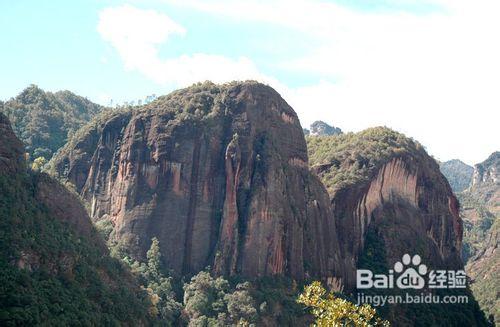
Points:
(481, 212)
(458, 173)
(54, 267)
(44, 121)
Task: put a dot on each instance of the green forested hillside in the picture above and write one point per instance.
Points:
(480, 209)
(44, 121)
(478, 220)
(353, 157)
(50, 274)
(205, 300)
(54, 268)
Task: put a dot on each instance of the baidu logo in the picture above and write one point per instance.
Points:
(410, 273)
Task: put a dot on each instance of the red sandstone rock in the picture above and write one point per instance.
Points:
(404, 199)
(219, 174)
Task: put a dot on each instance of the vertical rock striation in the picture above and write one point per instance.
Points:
(219, 174)
(381, 181)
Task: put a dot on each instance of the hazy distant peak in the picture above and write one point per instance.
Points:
(319, 128)
(458, 173)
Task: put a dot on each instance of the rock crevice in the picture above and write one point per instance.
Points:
(218, 174)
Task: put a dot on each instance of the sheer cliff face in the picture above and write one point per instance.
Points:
(219, 174)
(401, 197)
(408, 208)
(486, 173)
(486, 183)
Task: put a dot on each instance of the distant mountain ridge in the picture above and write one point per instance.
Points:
(320, 128)
(44, 121)
(458, 173)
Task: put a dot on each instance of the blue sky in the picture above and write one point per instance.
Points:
(429, 69)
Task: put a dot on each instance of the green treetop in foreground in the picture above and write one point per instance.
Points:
(331, 311)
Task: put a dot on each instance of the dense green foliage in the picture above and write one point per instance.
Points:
(475, 231)
(44, 121)
(158, 284)
(205, 300)
(51, 275)
(486, 287)
(212, 301)
(480, 212)
(353, 157)
(330, 310)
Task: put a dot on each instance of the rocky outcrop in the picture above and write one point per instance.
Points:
(486, 182)
(480, 204)
(219, 174)
(389, 199)
(408, 208)
(386, 184)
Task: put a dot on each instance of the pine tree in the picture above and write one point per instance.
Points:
(154, 258)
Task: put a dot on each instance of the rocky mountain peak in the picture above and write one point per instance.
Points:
(388, 196)
(488, 171)
(458, 173)
(218, 173)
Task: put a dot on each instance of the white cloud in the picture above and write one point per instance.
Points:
(434, 77)
(136, 34)
(103, 99)
(188, 69)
